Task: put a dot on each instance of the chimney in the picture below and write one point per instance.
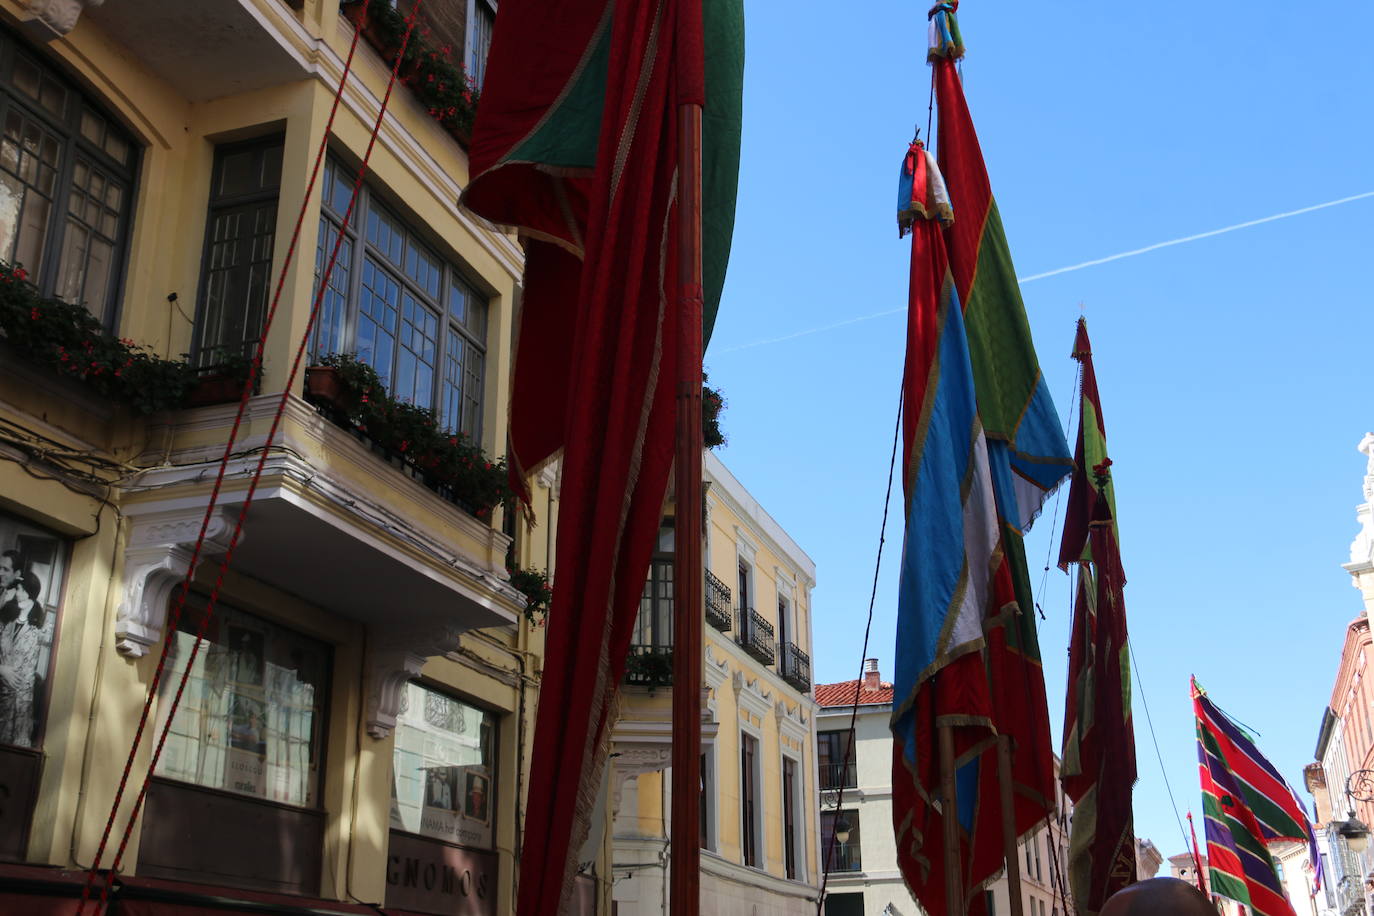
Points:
(871, 679)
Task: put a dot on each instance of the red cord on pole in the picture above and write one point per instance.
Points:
(175, 617)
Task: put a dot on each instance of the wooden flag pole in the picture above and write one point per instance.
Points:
(1009, 825)
(954, 874)
(688, 574)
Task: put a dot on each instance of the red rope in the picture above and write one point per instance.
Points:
(224, 461)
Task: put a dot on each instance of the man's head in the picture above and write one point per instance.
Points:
(1159, 897)
(11, 566)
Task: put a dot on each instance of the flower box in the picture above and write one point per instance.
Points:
(215, 389)
(323, 386)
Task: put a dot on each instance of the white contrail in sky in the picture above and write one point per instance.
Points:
(1072, 267)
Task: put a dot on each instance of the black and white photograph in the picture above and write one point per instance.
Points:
(247, 725)
(30, 574)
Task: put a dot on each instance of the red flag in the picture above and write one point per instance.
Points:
(576, 144)
(1098, 770)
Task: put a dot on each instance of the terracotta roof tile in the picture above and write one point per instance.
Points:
(842, 694)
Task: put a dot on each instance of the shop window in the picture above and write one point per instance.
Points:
(237, 795)
(239, 234)
(252, 716)
(443, 767)
(399, 306)
(66, 177)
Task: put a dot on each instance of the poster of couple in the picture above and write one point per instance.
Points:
(31, 568)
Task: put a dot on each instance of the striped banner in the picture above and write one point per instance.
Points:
(1247, 805)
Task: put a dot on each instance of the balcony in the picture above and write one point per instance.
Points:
(200, 48)
(649, 666)
(756, 635)
(837, 776)
(718, 604)
(796, 667)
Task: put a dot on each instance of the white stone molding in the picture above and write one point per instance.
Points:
(393, 661)
(156, 561)
(46, 20)
(749, 696)
(717, 670)
(1362, 549)
(745, 546)
(792, 722)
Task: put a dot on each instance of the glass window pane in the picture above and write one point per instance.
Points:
(92, 126)
(26, 76)
(329, 327)
(252, 717)
(472, 391)
(32, 566)
(119, 151)
(236, 173)
(378, 314)
(11, 199)
(236, 282)
(442, 768)
(451, 414)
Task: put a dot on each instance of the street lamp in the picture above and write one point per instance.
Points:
(842, 830)
(1359, 786)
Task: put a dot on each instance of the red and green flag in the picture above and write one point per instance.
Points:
(983, 447)
(1097, 768)
(576, 146)
(1028, 456)
(1247, 805)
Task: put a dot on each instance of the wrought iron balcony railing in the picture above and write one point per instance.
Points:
(718, 604)
(649, 666)
(756, 635)
(796, 667)
(838, 776)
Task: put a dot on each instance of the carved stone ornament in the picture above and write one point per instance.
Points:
(155, 563)
(1362, 548)
(394, 659)
(46, 20)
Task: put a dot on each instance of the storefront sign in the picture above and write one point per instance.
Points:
(428, 876)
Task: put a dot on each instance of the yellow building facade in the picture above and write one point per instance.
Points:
(356, 727)
(759, 799)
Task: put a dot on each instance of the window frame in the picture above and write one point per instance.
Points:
(216, 202)
(470, 64)
(751, 813)
(793, 819)
(72, 142)
(824, 738)
(452, 274)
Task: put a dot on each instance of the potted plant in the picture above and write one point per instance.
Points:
(67, 339)
(534, 585)
(712, 403)
(222, 382)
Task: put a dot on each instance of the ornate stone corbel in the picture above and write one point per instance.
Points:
(156, 561)
(46, 20)
(394, 659)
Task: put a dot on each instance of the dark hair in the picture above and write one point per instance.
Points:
(33, 587)
(16, 559)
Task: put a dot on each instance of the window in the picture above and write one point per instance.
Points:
(654, 625)
(749, 799)
(844, 904)
(400, 306)
(66, 181)
(483, 21)
(784, 624)
(746, 594)
(252, 718)
(32, 571)
(991, 897)
(790, 791)
(708, 792)
(841, 854)
(239, 235)
(442, 768)
(1035, 842)
(836, 757)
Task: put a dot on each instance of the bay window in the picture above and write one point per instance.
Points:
(400, 306)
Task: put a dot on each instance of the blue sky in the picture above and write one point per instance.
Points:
(1235, 371)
